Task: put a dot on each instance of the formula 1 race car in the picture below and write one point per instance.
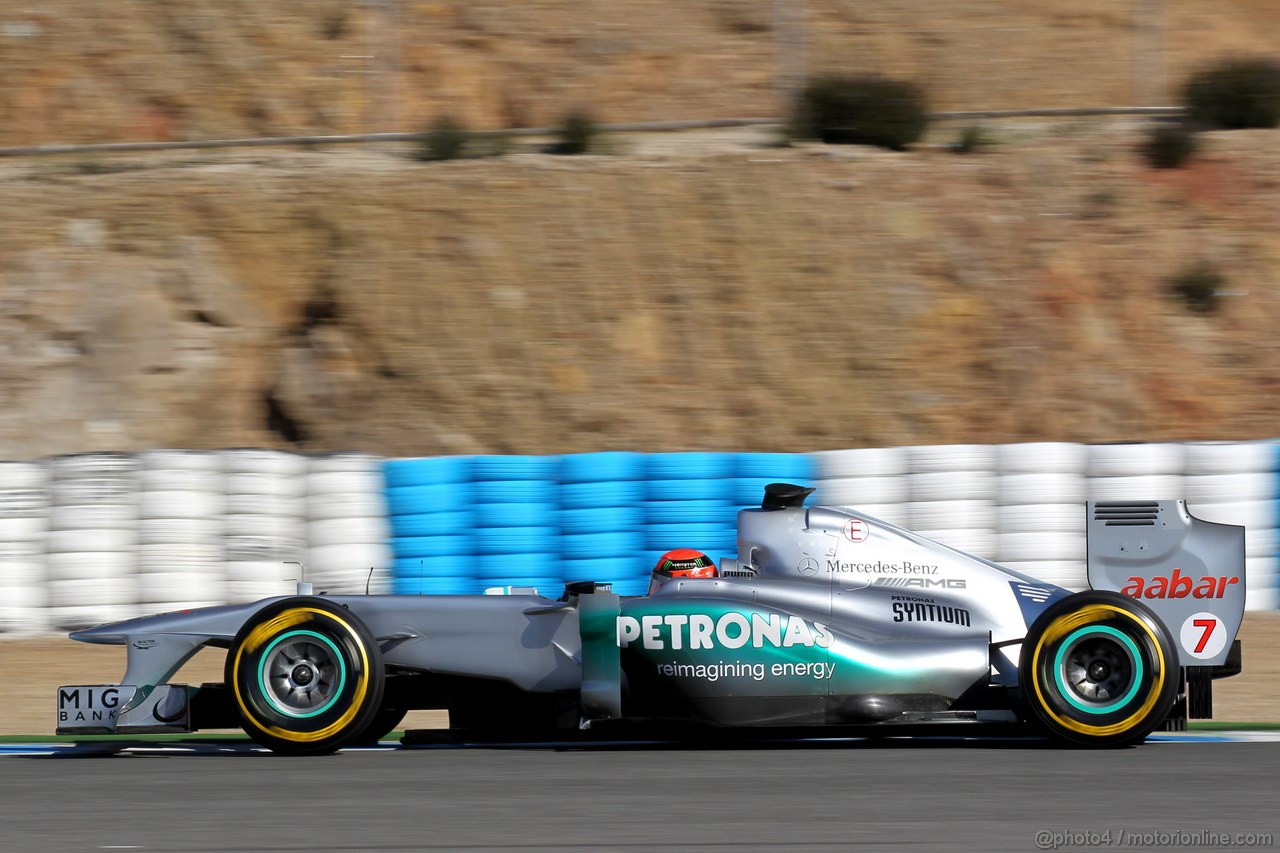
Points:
(827, 617)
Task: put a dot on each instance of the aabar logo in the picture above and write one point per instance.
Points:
(1179, 585)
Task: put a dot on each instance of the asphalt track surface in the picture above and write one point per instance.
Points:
(929, 795)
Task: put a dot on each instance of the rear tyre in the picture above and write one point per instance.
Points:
(1099, 669)
(305, 676)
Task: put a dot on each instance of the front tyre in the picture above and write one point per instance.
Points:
(305, 676)
(1099, 669)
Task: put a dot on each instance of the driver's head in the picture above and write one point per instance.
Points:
(681, 563)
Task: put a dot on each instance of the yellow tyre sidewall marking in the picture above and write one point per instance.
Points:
(264, 632)
(1067, 623)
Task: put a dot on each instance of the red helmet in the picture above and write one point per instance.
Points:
(682, 563)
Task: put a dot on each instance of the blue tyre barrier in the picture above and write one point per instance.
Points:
(588, 495)
(515, 467)
(434, 586)
(426, 471)
(547, 587)
(601, 467)
(454, 566)
(775, 467)
(432, 524)
(515, 491)
(601, 519)
(431, 546)
(498, 566)
(689, 466)
(690, 512)
(701, 537)
(516, 515)
(638, 586)
(585, 546)
(607, 569)
(689, 490)
(515, 540)
(419, 500)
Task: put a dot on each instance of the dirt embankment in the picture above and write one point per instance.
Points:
(687, 292)
(85, 71)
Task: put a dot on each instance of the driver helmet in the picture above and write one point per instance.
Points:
(681, 563)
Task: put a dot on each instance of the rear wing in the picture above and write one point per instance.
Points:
(1189, 571)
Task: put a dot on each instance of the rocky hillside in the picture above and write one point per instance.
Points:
(688, 291)
(87, 71)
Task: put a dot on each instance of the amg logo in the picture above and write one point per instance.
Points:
(922, 583)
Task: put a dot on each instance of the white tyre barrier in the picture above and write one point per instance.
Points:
(283, 486)
(1230, 488)
(23, 609)
(952, 515)
(980, 543)
(91, 592)
(861, 462)
(184, 553)
(339, 531)
(952, 486)
(23, 476)
(1258, 515)
(895, 513)
(1261, 541)
(254, 461)
(92, 517)
(343, 461)
(1052, 488)
(184, 504)
(1229, 457)
(264, 571)
(321, 483)
(1135, 460)
(1020, 547)
(942, 458)
(853, 491)
(273, 505)
(1042, 518)
(179, 460)
(87, 541)
(88, 465)
(97, 566)
(1042, 457)
(1262, 599)
(22, 571)
(181, 589)
(346, 569)
(350, 505)
(96, 490)
(180, 531)
(180, 480)
(1149, 487)
(281, 526)
(23, 529)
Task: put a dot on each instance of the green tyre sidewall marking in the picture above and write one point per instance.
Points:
(1069, 695)
(269, 696)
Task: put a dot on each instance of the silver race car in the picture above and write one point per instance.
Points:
(827, 617)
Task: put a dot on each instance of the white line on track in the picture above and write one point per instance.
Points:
(98, 748)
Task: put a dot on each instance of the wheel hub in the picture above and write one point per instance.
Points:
(1098, 669)
(303, 674)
